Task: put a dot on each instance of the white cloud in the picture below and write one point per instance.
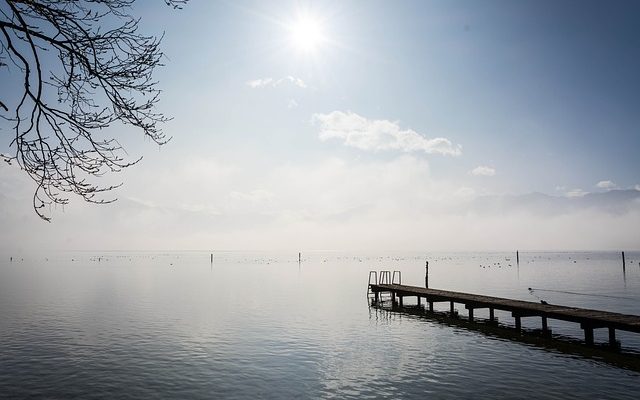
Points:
(292, 103)
(483, 170)
(258, 83)
(374, 135)
(330, 203)
(606, 185)
(271, 82)
(296, 81)
(637, 187)
(576, 193)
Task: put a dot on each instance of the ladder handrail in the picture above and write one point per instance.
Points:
(393, 280)
(375, 277)
(385, 277)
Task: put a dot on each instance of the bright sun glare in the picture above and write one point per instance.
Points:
(306, 34)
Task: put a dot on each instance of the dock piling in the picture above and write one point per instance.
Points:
(426, 275)
(612, 337)
(588, 334)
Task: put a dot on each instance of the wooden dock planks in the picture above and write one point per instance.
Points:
(588, 319)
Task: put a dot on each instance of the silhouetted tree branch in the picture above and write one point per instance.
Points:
(83, 65)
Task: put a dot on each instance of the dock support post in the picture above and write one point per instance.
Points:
(545, 325)
(470, 314)
(426, 275)
(624, 263)
(492, 316)
(517, 257)
(419, 301)
(400, 297)
(588, 335)
(377, 297)
(453, 310)
(518, 323)
(431, 306)
(612, 337)
(393, 298)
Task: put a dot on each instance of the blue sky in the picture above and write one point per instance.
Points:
(544, 92)
(401, 109)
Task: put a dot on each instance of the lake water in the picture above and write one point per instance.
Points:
(261, 325)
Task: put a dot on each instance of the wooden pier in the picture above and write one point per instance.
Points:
(588, 319)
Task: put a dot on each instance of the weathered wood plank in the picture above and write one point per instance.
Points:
(595, 318)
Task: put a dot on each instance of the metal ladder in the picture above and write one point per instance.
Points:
(386, 278)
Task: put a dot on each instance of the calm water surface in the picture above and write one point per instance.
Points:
(260, 325)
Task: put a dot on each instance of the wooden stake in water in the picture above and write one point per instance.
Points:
(624, 266)
(211, 258)
(517, 257)
(299, 257)
(426, 275)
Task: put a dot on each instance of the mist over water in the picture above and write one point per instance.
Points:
(262, 325)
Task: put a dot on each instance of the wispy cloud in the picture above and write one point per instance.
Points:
(483, 170)
(374, 135)
(576, 193)
(272, 82)
(606, 185)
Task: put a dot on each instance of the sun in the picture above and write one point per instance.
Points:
(307, 34)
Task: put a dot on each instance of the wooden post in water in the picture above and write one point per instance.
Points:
(612, 337)
(517, 257)
(211, 258)
(624, 266)
(426, 275)
(588, 334)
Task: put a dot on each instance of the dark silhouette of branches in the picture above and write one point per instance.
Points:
(82, 65)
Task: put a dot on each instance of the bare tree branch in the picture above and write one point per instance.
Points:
(101, 74)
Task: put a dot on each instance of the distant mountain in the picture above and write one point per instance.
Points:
(613, 202)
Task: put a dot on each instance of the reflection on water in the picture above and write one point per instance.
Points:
(547, 340)
(266, 325)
